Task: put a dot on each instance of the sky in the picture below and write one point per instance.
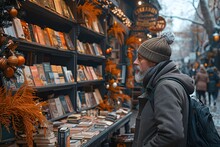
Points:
(181, 8)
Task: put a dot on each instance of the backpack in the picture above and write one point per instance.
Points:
(201, 128)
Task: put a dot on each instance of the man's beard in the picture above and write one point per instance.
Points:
(139, 75)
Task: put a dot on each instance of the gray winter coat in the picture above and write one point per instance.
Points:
(166, 125)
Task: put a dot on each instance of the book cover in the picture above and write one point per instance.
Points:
(64, 8)
(81, 76)
(63, 41)
(31, 29)
(47, 70)
(10, 30)
(58, 8)
(82, 99)
(60, 74)
(98, 94)
(19, 76)
(28, 76)
(55, 74)
(59, 106)
(87, 98)
(64, 69)
(53, 108)
(35, 33)
(69, 103)
(40, 35)
(36, 77)
(26, 30)
(69, 42)
(70, 77)
(64, 104)
(46, 37)
(57, 37)
(18, 28)
(78, 101)
(87, 74)
(92, 72)
(41, 72)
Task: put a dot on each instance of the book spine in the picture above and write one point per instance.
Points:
(64, 137)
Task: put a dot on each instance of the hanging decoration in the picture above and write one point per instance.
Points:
(159, 26)
(22, 111)
(130, 71)
(10, 59)
(115, 10)
(115, 96)
(133, 41)
(118, 32)
(7, 12)
(90, 11)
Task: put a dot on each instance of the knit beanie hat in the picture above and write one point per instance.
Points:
(157, 49)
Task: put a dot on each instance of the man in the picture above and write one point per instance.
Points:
(163, 124)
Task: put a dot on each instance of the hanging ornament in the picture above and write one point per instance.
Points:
(3, 62)
(108, 51)
(12, 60)
(114, 84)
(21, 60)
(13, 12)
(107, 86)
(9, 72)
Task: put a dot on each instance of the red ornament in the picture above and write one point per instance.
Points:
(12, 60)
(13, 12)
(9, 72)
(21, 60)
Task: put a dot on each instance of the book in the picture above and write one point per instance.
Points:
(55, 74)
(98, 94)
(82, 99)
(64, 104)
(87, 74)
(48, 71)
(28, 76)
(65, 9)
(40, 35)
(69, 42)
(52, 37)
(78, 101)
(64, 69)
(69, 103)
(18, 28)
(41, 73)
(19, 77)
(53, 108)
(59, 106)
(34, 27)
(58, 8)
(57, 37)
(64, 137)
(46, 37)
(80, 74)
(36, 77)
(63, 41)
(70, 77)
(92, 72)
(26, 30)
(31, 29)
(51, 5)
(60, 74)
(10, 30)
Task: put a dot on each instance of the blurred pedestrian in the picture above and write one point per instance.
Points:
(212, 84)
(201, 80)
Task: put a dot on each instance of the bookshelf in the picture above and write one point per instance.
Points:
(38, 52)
